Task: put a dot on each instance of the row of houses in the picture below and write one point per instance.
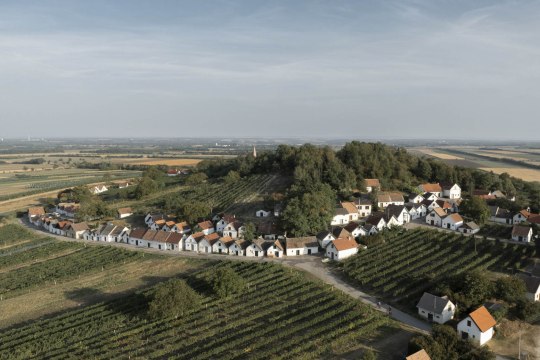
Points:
(504, 216)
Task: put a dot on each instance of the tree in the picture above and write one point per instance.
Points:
(231, 177)
(369, 355)
(475, 208)
(226, 282)
(196, 179)
(510, 288)
(146, 186)
(172, 298)
(249, 231)
(310, 212)
(195, 210)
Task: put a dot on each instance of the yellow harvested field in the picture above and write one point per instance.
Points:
(158, 161)
(524, 174)
(439, 155)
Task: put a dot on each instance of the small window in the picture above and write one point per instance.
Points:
(468, 322)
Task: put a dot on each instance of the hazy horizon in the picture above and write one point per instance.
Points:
(389, 70)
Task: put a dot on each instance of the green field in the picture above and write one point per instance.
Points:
(414, 261)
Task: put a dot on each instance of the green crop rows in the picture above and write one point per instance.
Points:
(281, 315)
(412, 262)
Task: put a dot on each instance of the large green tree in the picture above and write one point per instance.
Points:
(225, 282)
(475, 208)
(172, 299)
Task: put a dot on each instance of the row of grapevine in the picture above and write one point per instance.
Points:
(294, 316)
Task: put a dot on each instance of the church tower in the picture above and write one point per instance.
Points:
(254, 152)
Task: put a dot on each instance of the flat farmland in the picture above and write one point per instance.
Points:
(488, 159)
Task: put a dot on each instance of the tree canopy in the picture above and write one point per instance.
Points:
(172, 298)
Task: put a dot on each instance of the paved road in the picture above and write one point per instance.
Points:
(310, 264)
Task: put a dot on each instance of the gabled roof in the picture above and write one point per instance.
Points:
(443, 204)
(350, 227)
(261, 244)
(242, 244)
(227, 240)
(419, 355)
(431, 187)
(79, 226)
(390, 197)
(198, 236)
(350, 207)
(455, 218)
(212, 238)
(534, 219)
(440, 212)
(138, 233)
(300, 242)
(126, 210)
(363, 200)
(520, 230)
(36, 211)
(375, 218)
(394, 210)
(344, 244)
(323, 234)
(471, 225)
(372, 183)
(339, 232)
(340, 211)
(432, 303)
(205, 225)
(448, 185)
(150, 234)
(278, 244)
(483, 319)
(174, 238)
(236, 225)
(532, 283)
(414, 195)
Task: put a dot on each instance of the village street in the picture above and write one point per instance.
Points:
(310, 264)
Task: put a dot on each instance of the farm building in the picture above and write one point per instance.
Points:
(124, 212)
(262, 213)
(355, 230)
(469, 228)
(275, 249)
(301, 246)
(452, 222)
(98, 189)
(324, 237)
(415, 198)
(76, 231)
(477, 327)
(532, 284)
(500, 215)
(372, 184)
(435, 189)
(35, 212)
(221, 245)
(234, 229)
(238, 248)
(377, 219)
(451, 191)
(340, 249)
(389, 198)
(207, 242)
(206, 227)
(363, 205)
(522, 233)
(223, 221)
(256, 248)
(436, 309)
(192, 241)
(435, 217)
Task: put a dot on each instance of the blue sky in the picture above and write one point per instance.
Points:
(354, 69)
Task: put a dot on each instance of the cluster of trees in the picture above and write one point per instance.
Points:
(172, 298)
(444, 343)
(225, 282)
(152, 180)
(472, 289)
(91, 206)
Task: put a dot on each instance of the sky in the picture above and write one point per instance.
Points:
(331, 69)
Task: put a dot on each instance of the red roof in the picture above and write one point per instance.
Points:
(344, 244)
(483, 319)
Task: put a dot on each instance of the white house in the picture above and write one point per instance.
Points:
(469, 228)
(345, 213)
(181, 228)
(391, 221)
(262, 213)
(275, 249)
(340, 249)
(430, 204)
(256, 248)
(301, 246)
(76, 231)
(364, 206)
(431, 188)
(355, 229)
(124, 212)
(500, 215)
(234, 229)
(436, 309)
(451, 191)
(436, 216)
(430, 196)
(150, 219)
(416, 198)
(238, 248)
(34, 213)
(416, 210)
(522, 233)
(221, 246)
(377, 220)
(192, 241)
(207, 227)
(372, 184)
(324, 237)
(477, 327)
(522, 216)
(135, 236)
(206, 244)
(452, 222)
(224, 221)
(389, 198)
(532, 284)
(400, 213)
(371, 229)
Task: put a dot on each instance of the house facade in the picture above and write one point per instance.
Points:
(340, 249)
(436, 309)
(477, 327)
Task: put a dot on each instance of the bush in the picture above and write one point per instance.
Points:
(226, 282)
(172, 298)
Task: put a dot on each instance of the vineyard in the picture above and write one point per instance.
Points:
(281, 315)
(31, 261)
(412, 262)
